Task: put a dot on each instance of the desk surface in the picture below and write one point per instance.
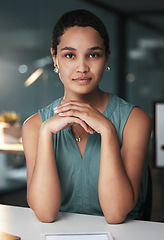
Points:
(22, 222)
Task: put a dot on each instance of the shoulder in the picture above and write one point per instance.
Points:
(118, 111)
(31, 125)
(118, 106)
(123, 105)
(30, 134)
(139, 116)
(33, 120)
(125, 110)
(139, 123)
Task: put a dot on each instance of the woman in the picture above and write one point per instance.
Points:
(85, 152)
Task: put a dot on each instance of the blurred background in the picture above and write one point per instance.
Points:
(136, 31)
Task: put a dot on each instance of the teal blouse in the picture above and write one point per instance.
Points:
(79, 176)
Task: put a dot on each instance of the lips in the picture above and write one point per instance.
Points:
(82, 79)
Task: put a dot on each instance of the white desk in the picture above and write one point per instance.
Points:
(22, 222)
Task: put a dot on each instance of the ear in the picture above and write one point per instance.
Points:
(53, 56)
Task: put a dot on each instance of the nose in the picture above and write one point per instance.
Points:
(82, 66)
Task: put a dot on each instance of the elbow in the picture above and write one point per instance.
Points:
(44, 214)
(46, 217)
(117, 213)
(114, 218)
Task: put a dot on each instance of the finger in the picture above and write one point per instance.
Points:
(87, 128)
(72, 120)
(74, 113)
(83, 115)
(71, 102)
(70, 105)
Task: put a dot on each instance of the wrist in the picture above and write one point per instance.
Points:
(108, 130)
(45, 130)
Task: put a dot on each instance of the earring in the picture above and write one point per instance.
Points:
(56, 69)
(107, 69)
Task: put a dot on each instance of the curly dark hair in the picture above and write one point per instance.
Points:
(81, 18)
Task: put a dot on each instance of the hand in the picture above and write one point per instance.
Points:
(56, 123)
(90, 116)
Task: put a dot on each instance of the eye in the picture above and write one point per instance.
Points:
(94, 55)
(70, 55)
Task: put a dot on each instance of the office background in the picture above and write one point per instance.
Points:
(136, 31)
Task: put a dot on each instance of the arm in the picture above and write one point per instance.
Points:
(43, 186)
(121, 171)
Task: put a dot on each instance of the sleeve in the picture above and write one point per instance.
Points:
(125, 109)
(46, 113)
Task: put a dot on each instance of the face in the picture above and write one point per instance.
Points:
(81, 59)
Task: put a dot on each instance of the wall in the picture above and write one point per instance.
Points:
(144, 86)
(25, 37)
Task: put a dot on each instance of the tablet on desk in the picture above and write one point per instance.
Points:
(96, 236)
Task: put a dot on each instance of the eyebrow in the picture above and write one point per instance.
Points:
(68, 48)
(96, 48)
(74, 49)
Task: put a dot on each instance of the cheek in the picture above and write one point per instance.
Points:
(99, 68)
(65, 72)
(66, 66)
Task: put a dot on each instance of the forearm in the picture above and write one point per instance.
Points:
(44, 193)
(115, 190)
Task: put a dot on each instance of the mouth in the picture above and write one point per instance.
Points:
(82, 80)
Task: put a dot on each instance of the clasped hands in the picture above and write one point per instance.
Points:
(81, 113)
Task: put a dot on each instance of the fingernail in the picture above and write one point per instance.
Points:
(56, 110)
(60, 114)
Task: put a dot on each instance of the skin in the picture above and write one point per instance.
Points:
(81, 59)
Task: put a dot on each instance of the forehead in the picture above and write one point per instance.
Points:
(80, 38)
